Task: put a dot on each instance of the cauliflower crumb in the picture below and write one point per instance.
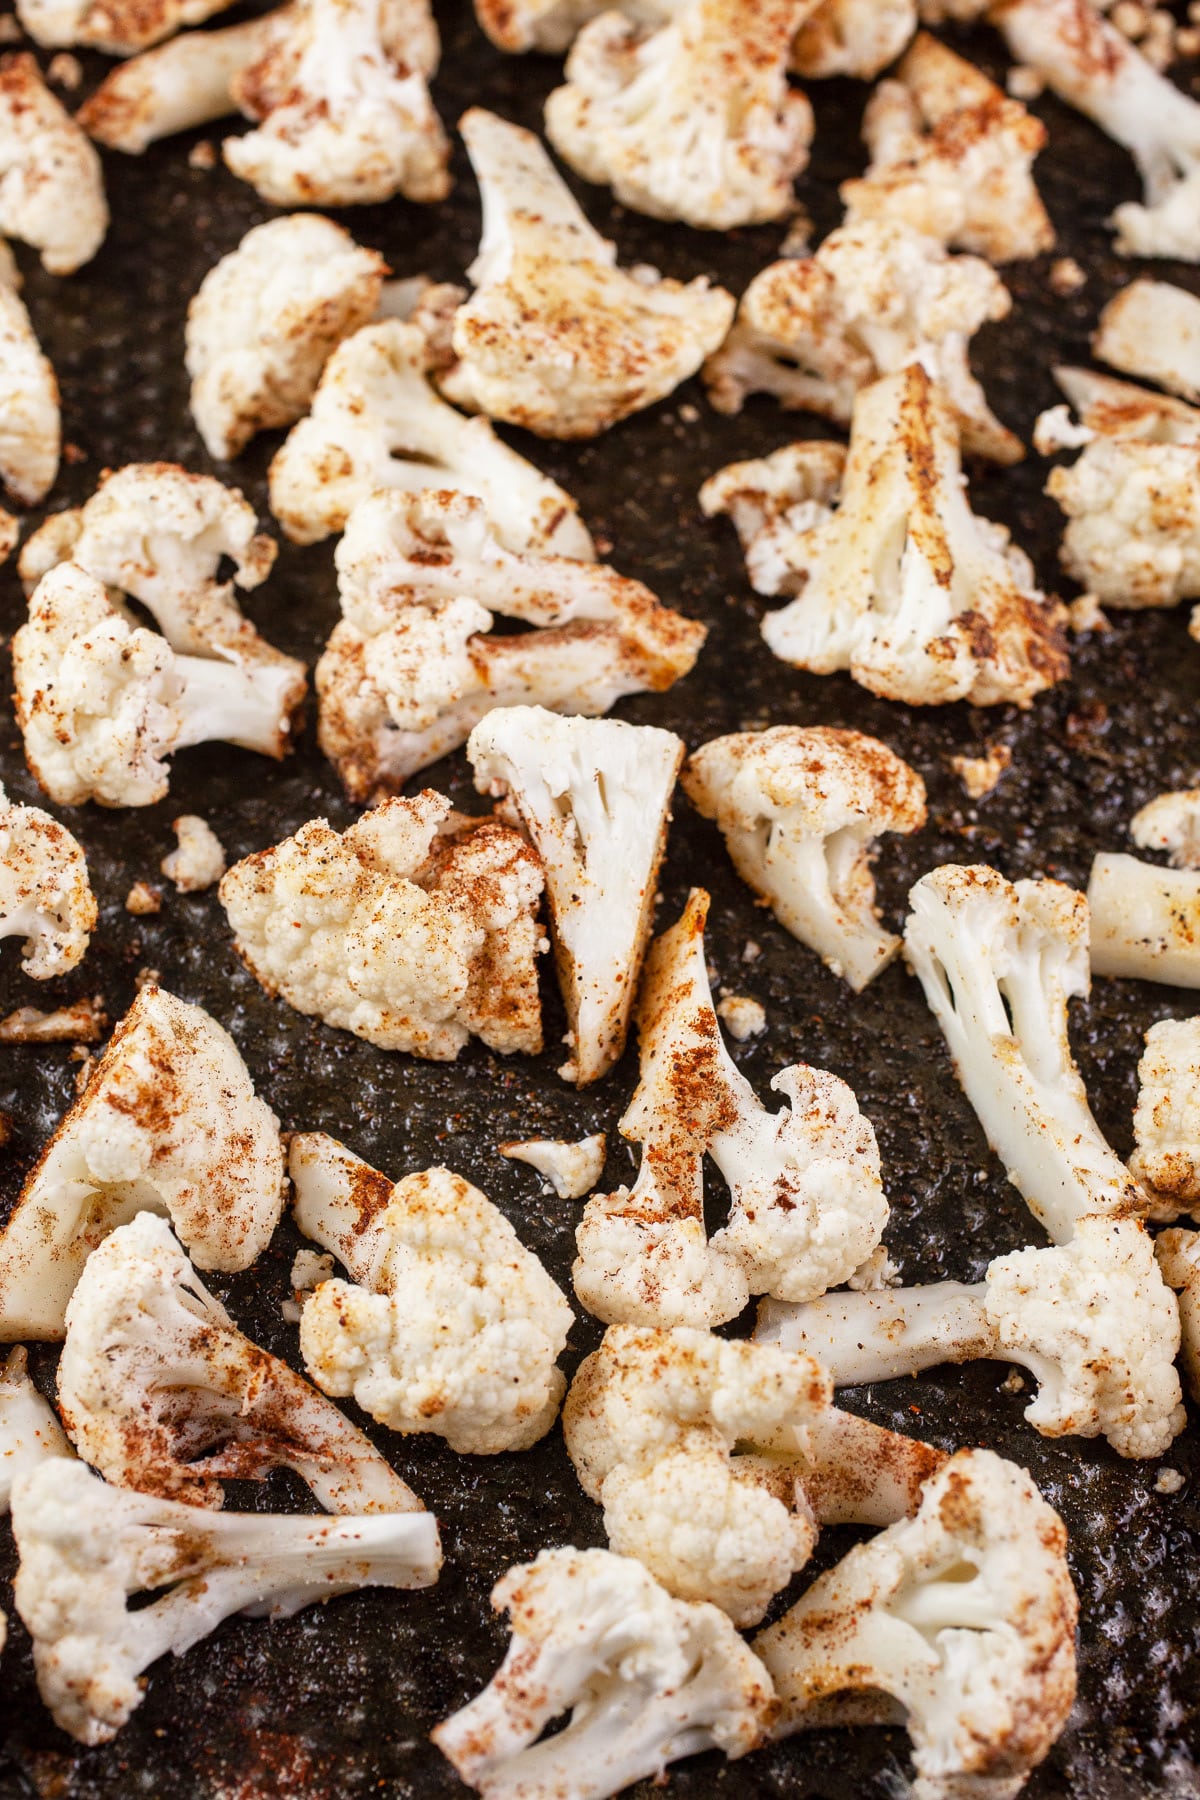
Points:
(1169, 1481)
(10, 531)
(1013, 1383)
(143, 899)
(1024, 83)
(199, 860)
(65, 71)
(309, 1269)
(1130, 19)
(751, 951)
(203, 155)
(876, 1273)
(147, 978)
(980, 774)
(83, 1022)
(1066, 276)
(1087, 614)
(741, 1016)
(572, 1170)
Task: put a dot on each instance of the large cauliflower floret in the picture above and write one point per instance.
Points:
(876, 296)
(411, 929)
(30, 423)
(352, 125)
(694, 120)
(807, 1205)
(964, 1617)
(555, 336)
(377, 422)
(118, 27)
(951, 155)
(646, 1680)
(45, 895)
(51, 184)
(800, 810)
(29, 1431)
(168, 1123)
(716, 1462)
(905, 586)
(265, 321)
(1151, 329)
(88, 1549)
(413, 667)
(1144, 920)
(448, 1324)
(853, 37)
(1133, 520)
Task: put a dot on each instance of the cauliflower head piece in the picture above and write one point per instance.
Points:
(1166, 1122)
(45, 895)
(30, 422)
(51, 183)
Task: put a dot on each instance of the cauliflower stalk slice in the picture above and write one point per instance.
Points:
(87, 1550)
(807, 1204)
(800, 810)
(594, 798)
(45, 895)
(161, 1392)
(30, 422)
(962, 1619)
(51, 183)
(716, 1462)
(646, 1680)
(903, 585)
(29, 1431)
(448, 1324)
(414, 928)
(168, 1123)
(1144, 920)
(556, 337)
(693, 120)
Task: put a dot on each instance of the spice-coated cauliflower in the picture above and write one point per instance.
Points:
(45, 895)
(51, 184)
(30, 423)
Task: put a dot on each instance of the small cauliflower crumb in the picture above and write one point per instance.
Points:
(980, 774)
(1013, 1383)
(741, 1016)
(203, 155)
(66, 71)
(800, 234)
(1086, 614)
(572, 1170)
(143, 899)
(1024, 83)
(1066, 276)
(309, 1269)
(1168, 1481)
(751, 951)
(876, 1273)
(83, 1022)
(147, 978)
(10, 531)
(199, 861)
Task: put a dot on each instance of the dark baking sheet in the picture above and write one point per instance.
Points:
(339, 1701)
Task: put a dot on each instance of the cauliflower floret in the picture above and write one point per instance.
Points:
(905, 586)
(595, 801)
(1170, 823)
(411, 669)
(411, 929)
(51, 185)
(800, 810)
(773, 501)
(1133, 521)
(853, 37)
(1178, 1254)
(716, 1462)
(45, 895)
(376, 422)
(1144, 921)
(963, 1617)
(1152, 329)
(572, 1170)
(169, 1122)
(198, 861)
(29, 1431)
(30, 424)
(951, 155)
(449, 1324)
(807, 1205)
(87, 1549)
(265, 321)
(693, 120)
(876, 296)
(161, 1392)
(118, 27)
(553, 25)
(354, 125)
(645, 1678)
(1121, 409)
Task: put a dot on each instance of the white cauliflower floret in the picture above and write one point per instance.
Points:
(354, 124)
(1144, 920)
(807, 1205)
(716, 1462)
(876, 296)
(553, 25)
(1170, 823)
(51, 185)
(265, 321)
(572, 1170)
(198, 861)
(773, 501)
(646, 1680)
(1133, 520)
(1178, 1254)
(853, 37)
(595, 801)
(556, 337)
(951, 155)
(414, 664)
(1094, 67)
(800, 810)
(449, 1324)
(1120, 409)
(1152, 329)
(905, 586)
(168, 1123)
(118, 27)
(376, 422)
(45, 895)
(693, 120)
(412, 929)
(30, 424)
(29, 1431)
(87, 1549)
(962, 1617)
(161, 1392)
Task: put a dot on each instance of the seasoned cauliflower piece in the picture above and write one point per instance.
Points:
(1170, 823)
(807, 1204)
(29, 1431)
(448, 1324)
(1166, 1123)
(265, 321)
(198, 860)
(30, 424)
(646, 1680)
(353, 125)
(1152, 330)
(118, 27)
(951, 155)
(716, 1462)
(800, 810)
(169, 1122)
(876, 296)
(962, 1619)
(377, 422)
(905, 586)
(412, 929)
(853, 37)
(595, 802)
(693, 120)
(773, 501)
(413, 667)
(51, 184)
(572, 1170)
(1120, 409)
(1144, 920)
(1178, 1254)
(45, 895)
(1133, 520)
(553, 25)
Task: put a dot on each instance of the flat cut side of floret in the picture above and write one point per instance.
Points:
(1144, 921)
